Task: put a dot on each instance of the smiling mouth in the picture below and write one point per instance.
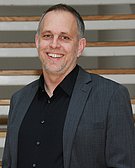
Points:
(54, 55)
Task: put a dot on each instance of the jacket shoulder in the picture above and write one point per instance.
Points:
(27, 88)
(100, 82)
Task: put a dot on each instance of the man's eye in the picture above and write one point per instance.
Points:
(65, 38)
(47, 36)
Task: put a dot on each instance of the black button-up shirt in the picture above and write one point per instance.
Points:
(40, 139)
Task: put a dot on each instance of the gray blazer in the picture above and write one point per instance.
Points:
(98, 130)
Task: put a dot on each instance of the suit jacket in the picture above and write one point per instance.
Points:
(98, 130)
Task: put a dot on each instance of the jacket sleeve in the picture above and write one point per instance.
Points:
(120, 140)
(6, 160)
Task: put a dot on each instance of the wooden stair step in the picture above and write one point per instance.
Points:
(89, 44)
(4, 118)
(70, 2)
(89, 25)
(39, 71)
(97, 49)
(23, 77)
(3, 131)
(86, 17)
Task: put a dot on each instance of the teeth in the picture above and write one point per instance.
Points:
(54, 55)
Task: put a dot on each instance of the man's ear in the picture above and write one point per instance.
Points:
(37, 40)
(82, 45)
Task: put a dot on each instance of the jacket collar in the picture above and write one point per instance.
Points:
(78, 100)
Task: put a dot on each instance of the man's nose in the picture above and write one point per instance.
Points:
(54, 43)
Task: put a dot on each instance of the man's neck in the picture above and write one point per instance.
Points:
(52, 81)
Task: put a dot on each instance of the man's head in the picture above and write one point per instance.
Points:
(60, 39)
(64, 7)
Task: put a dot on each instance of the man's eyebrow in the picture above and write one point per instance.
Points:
(64, 33)
(46, 31)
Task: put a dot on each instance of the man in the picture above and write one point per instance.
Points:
(68, 118)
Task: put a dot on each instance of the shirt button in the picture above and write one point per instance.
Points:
(43, 121)
(38, 143)
(33, 165)
(49, 101)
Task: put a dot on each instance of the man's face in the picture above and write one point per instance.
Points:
(59, 44)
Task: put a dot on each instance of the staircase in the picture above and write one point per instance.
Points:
(110, 51)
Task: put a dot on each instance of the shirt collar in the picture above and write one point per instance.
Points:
(69, 81)
(67, 84)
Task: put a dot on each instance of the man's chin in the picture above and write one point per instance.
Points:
(53, 69)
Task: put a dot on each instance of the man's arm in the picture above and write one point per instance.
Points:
(120, 140)
(6, 160)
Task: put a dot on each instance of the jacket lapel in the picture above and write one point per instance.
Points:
(24, 104)
(77, 103)
(22, 107)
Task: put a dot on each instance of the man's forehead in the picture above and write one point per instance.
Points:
(62, 21)
(58, 13)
